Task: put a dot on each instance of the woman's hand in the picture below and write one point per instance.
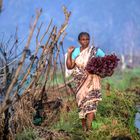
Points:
(71, 49)
(69, 62)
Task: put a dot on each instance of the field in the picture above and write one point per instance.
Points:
(114, 118)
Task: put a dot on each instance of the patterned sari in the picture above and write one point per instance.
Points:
(87, 85)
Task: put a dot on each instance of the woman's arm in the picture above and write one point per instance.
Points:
(69, 62)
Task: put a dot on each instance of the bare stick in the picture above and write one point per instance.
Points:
(7, 97)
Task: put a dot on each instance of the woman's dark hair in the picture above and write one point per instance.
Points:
(83, 34)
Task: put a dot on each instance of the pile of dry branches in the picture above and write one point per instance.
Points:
(17, 107)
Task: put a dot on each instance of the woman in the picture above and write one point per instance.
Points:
(87, 85)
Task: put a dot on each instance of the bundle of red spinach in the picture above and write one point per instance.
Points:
(102, 66)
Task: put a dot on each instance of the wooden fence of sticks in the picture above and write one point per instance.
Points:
(18, 101)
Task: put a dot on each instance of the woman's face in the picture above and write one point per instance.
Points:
(84, 41)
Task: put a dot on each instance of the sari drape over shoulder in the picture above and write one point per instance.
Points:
(88, 86)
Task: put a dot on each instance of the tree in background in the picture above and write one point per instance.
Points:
(0, 6)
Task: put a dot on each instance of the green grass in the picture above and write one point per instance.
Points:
(27, 134)
(124, 80)
(116, 112)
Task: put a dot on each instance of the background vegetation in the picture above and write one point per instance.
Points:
(116, 112)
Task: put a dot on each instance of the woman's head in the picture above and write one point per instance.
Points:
(84, 39)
